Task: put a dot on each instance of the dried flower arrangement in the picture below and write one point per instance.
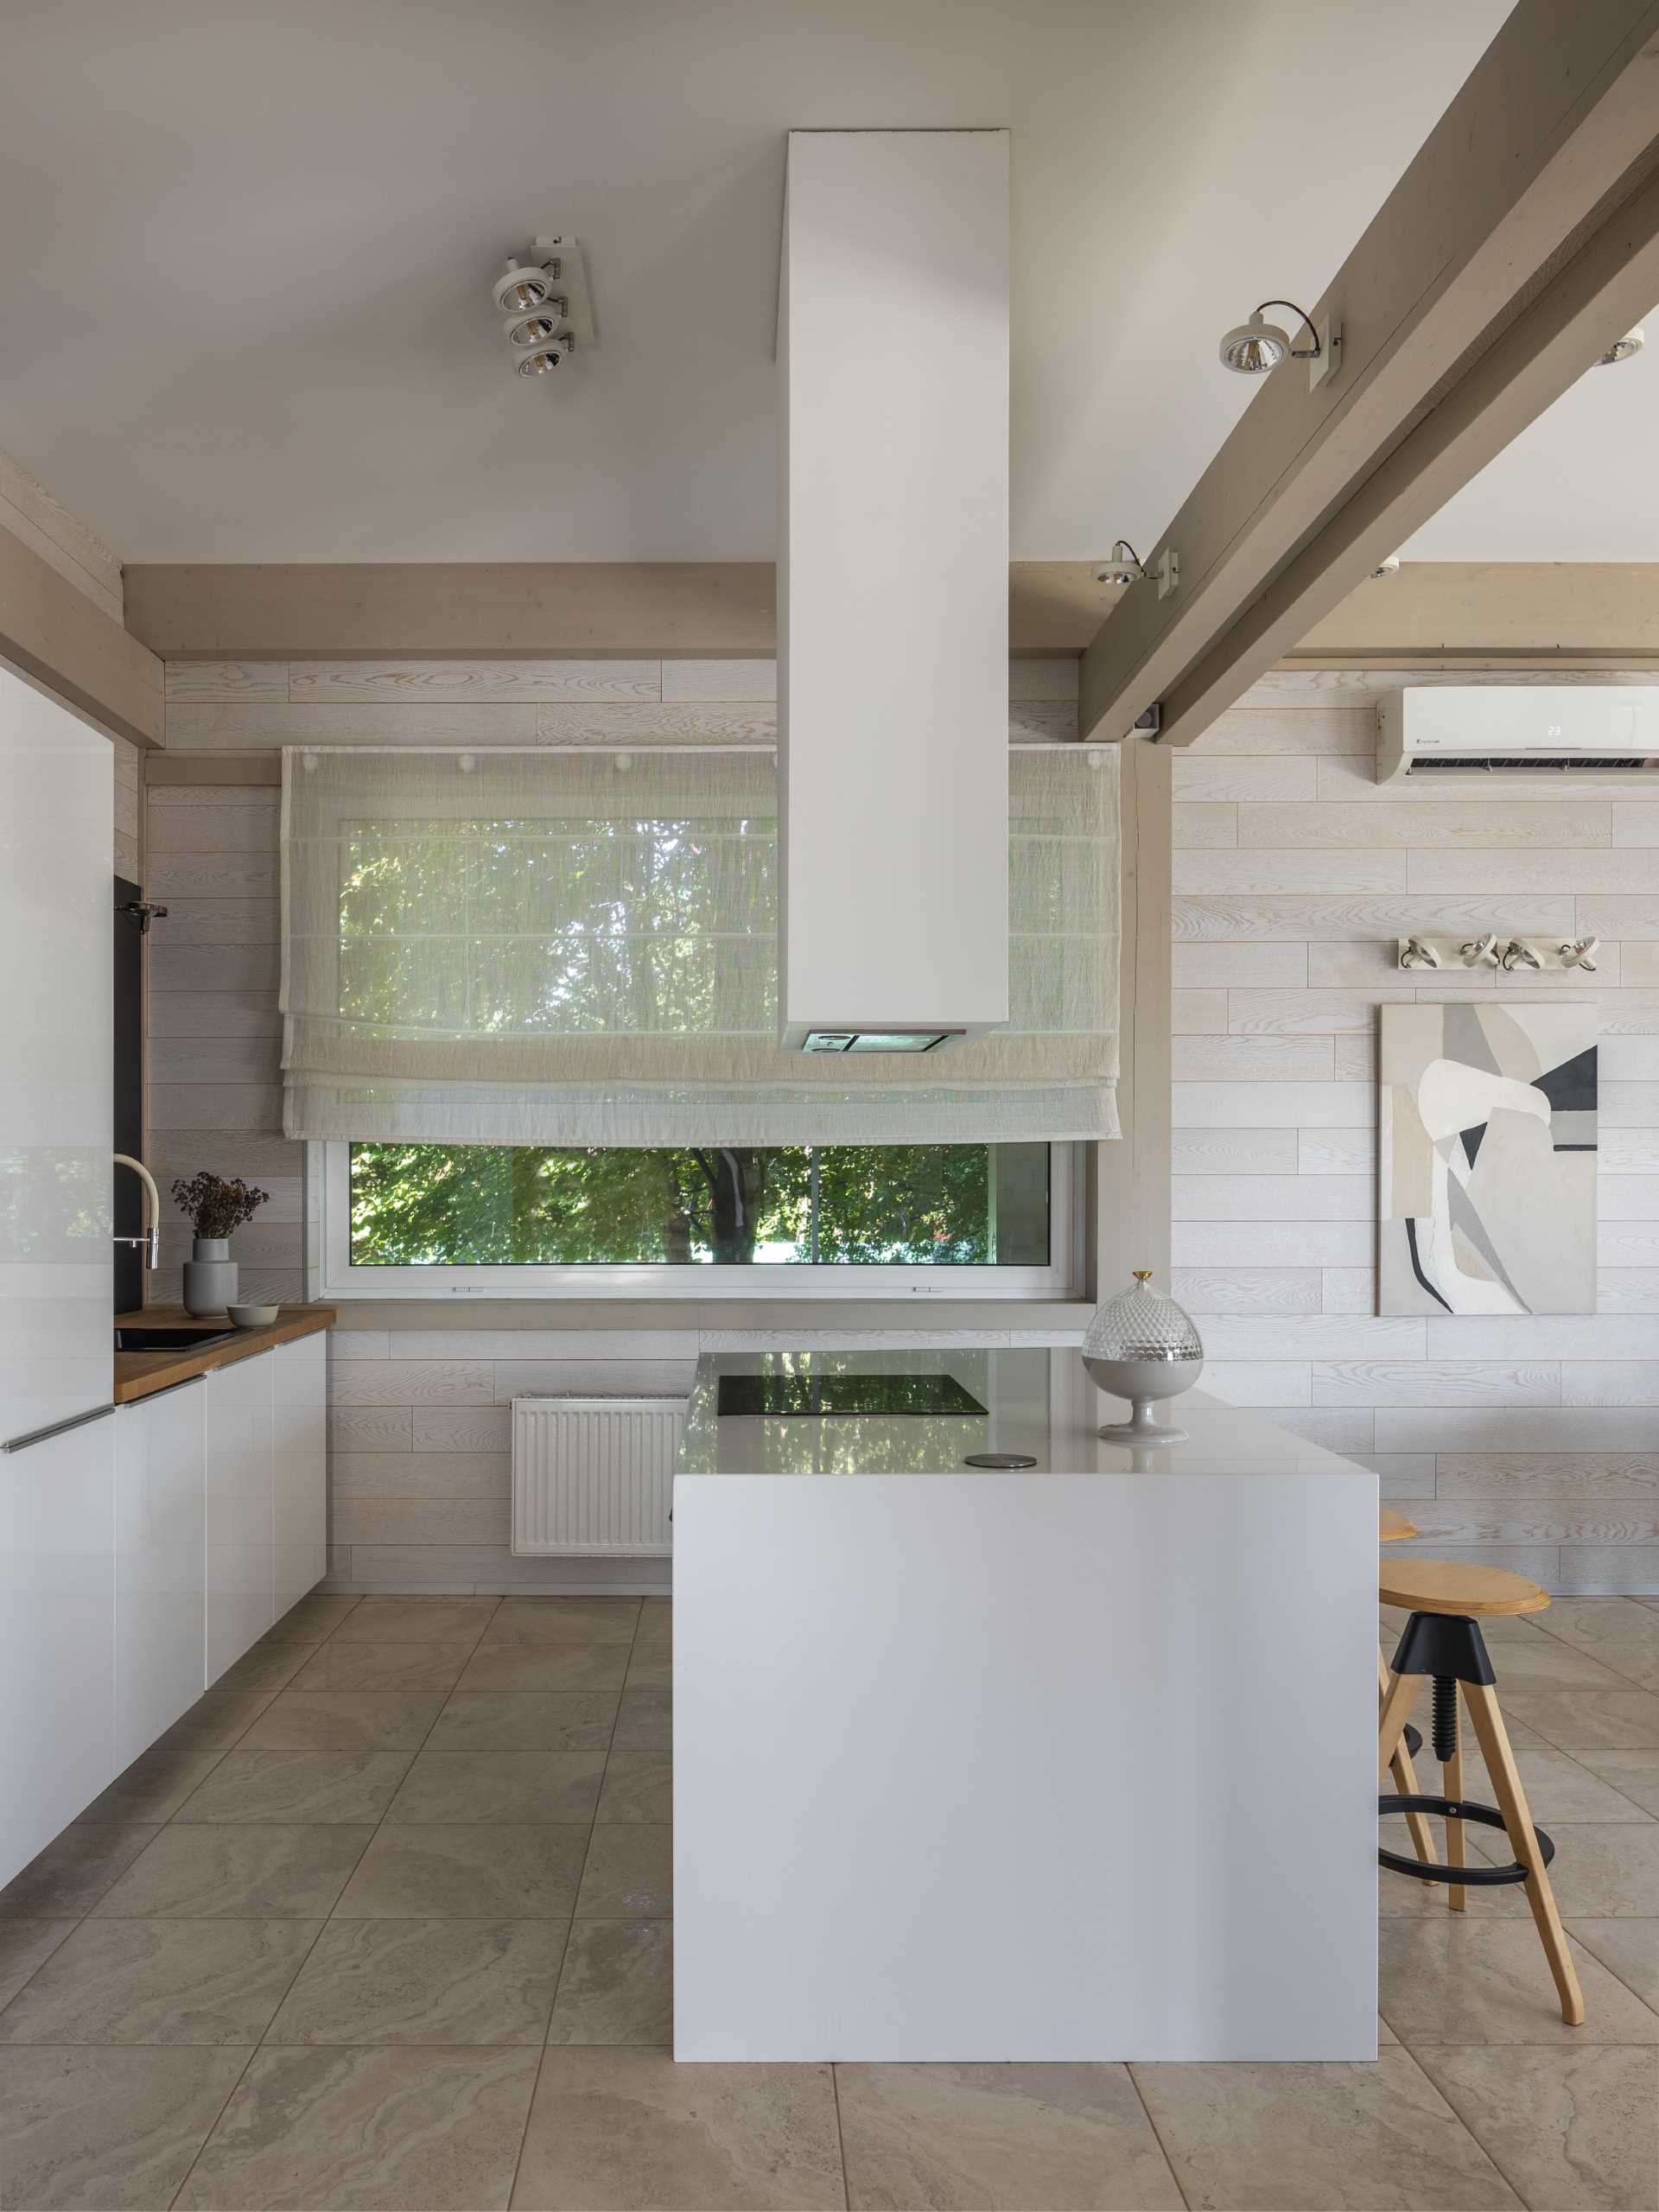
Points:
(218, 1204)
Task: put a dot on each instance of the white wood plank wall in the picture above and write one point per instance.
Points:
(1531, 1443)
(419, 1456)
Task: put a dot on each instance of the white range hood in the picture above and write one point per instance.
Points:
(892, 588)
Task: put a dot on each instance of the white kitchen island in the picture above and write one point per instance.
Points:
(1073, 1762)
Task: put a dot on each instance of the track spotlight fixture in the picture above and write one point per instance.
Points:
(542, 294)
(1257, 345)
(1123, 567)
(1623, 349)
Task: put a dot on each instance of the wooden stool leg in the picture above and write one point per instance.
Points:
(1405, 1777)
(1451, 1786)
(1512, 1803)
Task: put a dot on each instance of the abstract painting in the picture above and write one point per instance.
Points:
(1487, 1173)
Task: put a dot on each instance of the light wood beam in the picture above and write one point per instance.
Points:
(1492, 615)
(442, 610)
(51, 630)
(1539, 162)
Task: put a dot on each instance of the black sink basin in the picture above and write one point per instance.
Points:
(141, 1339)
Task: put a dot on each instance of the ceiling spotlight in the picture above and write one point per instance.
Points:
(1123, 567)
(545, 358)
(1257, 345)
(523, 285)
(1622, 349)
(1387, 567)
(536, 329)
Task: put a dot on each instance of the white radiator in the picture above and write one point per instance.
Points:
(595, 1477)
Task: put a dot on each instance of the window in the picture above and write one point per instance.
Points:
(420, 1220)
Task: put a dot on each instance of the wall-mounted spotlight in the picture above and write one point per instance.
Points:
(1623, 349)
(542, 294)
(1388, 566)
(1257, 345)
(1126, 566)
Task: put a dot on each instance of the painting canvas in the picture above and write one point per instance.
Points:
(1487, 1173)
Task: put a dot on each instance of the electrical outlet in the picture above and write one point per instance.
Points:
(1327, 362)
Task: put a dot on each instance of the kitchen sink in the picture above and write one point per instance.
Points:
(141, 1339)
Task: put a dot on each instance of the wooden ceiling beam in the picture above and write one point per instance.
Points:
(1532, 181)
(56, 634)
(1492, 615)
(441, 610)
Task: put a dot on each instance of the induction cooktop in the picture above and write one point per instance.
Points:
(785, 1394)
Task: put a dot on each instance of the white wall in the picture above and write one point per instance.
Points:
(1531, 1443)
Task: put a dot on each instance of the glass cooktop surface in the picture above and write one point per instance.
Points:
(784, 1394)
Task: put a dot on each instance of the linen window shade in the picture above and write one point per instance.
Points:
(568, 948)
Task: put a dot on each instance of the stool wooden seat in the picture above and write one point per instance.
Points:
(1442, 1642)
(1393, 1527)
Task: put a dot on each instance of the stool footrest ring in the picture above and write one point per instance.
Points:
(1464, 1877)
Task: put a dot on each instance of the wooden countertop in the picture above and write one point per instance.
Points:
(138, 1374)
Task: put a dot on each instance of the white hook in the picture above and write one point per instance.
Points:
(1417, 953)
(1519, 955)
(1582, 954)
(1482, 951)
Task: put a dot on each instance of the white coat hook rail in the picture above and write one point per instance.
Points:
(1510, 955)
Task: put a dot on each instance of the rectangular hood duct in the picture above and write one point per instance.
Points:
(892, 588)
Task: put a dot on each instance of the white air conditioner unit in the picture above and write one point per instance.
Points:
(1581, 731)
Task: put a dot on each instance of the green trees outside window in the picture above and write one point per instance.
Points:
(847, 1205)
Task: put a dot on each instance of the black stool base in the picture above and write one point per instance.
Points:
(1461, 1878)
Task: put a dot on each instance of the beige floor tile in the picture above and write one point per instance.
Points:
(218, 1717)
(154, 1786)
(1560, 1791)
(565, 1620)
(1339, 2137)
(1566, 2127)
(425, 1982)
(559, 1669)
(649, 1671)
(417, 1620)
(525, 1720)
(267, 1871)
(23, 1945)
(1592, 1621)
(298, 1786)
(1635, 1774)
(358, 2130)
(483, 1872)
(168, 1981)
(106, 2130)
(1544, 1662)
(1629, 1949)
(1459, 1979)
(627, 2128)
(74, 1870)
(1602, 1871)
(311, 1620)
(645, 1721)
(1636, 1664)
(617, 1984)
(346, 1721)
(638, 1786)
(629, 1875)
(519, 1786)
(1590, 1721)
(345, 1666)
(267, 1667)
(1069, 2138)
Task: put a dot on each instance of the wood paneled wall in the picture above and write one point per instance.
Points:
(1532, 1443)
(419, 1462)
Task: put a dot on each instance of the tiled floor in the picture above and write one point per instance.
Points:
(385, 1922)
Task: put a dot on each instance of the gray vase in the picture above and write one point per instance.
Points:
(209, 1277)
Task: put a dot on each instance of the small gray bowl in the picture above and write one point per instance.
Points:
(253, 1317)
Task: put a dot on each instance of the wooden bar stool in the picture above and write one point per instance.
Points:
(1442, 1640)
(1393, 1527)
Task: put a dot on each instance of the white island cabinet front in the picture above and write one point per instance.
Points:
(159, 1578)
(1076, 1761)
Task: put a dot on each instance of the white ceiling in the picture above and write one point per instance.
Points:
(246, 251)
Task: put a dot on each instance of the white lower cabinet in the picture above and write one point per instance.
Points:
(57, 1621)
(160, 1574)
(239, 1532)
(300, 1467)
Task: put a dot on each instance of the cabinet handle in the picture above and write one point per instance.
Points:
(55, 1428)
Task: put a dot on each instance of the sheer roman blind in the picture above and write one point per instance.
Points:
(581, 948)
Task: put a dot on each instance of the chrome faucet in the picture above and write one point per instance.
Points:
(151, 1239)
